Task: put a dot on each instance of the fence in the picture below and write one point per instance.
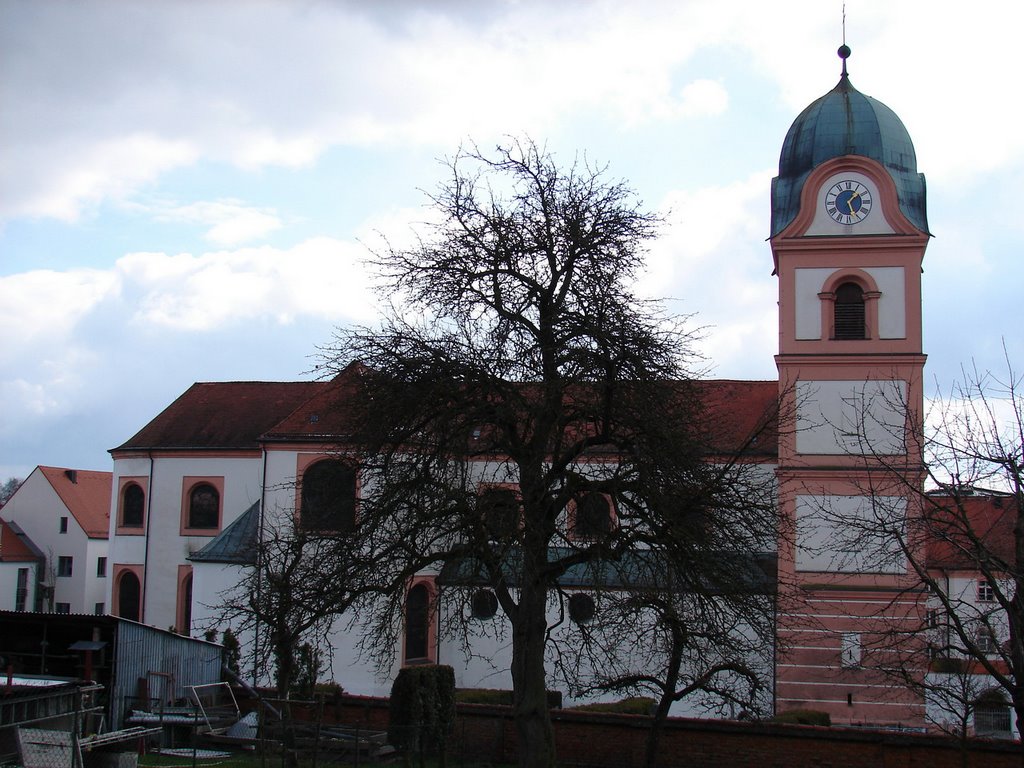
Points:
(65, 729)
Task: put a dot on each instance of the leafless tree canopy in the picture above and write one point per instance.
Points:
(518, 357)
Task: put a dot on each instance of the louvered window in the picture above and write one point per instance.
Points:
(849, 312)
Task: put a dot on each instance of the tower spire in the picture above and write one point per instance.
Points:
(844, 49)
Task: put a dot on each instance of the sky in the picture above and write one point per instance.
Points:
(189, 191)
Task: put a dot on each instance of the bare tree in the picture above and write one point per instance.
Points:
(956, 525)
(291, 600)
(519, 376)
(8, 488)
(702, 632)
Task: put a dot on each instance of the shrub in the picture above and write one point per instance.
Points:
(495, 696)
(803, 717)
(634, 705)
(422, 709)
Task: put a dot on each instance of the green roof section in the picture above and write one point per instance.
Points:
(236, 544)
(846, 122)
(721, 572)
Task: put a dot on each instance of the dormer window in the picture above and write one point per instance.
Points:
(849, 312)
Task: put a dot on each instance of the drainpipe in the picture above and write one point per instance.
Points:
(259, 579)
(145, 556)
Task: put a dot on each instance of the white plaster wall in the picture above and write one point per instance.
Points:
(849, 534)
(892, 304)
(946, 711)
(489, 662)
(851, 417)
(167, 547)
(9, 585)
(37, 508)
(808, 283)
(124, 550)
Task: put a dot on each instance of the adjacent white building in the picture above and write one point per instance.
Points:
(64, 514)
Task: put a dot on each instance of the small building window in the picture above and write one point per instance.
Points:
(849, 312)
(21, 590)
(329, 496)
(62, 608)
(592, 516)
(582, 608)
(985, 639)
(992, 716)
(133, 506)
(65, 565)
(99, 609)
(63, 525)
(499, 511)
(485, 604)
(204, 507)
(986, 592)
(101, 566)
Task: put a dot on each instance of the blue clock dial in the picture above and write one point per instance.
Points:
(848, 202)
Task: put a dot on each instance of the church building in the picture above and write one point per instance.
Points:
(848, 233)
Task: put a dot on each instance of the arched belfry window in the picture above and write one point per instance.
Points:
(849, 312)
(329, 496)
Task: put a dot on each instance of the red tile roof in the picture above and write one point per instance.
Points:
(963, 528)
(232, 414)
(13, 548)
(326, 414)
(86, 494)
(241, 414)
(741, 416)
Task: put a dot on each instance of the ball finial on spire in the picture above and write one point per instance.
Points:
(844, 54)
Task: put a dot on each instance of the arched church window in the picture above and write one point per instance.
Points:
(499, 508)
(849, 312)
(329, 496)
(133, 506)
(128, 593)
(417, 623)
(593, 516)
(204, 507)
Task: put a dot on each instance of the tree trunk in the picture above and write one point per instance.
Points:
(285, 669)
(665, 703)
(529, 682)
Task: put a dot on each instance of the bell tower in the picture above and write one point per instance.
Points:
(848, 235)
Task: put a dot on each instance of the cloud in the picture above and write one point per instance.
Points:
(230, 221)
(703, 98)
(42, 307)
(713, 254)
(320, 277)
(281, 86)
(59, 181)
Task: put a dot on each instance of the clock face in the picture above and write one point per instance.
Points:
(848, 202)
